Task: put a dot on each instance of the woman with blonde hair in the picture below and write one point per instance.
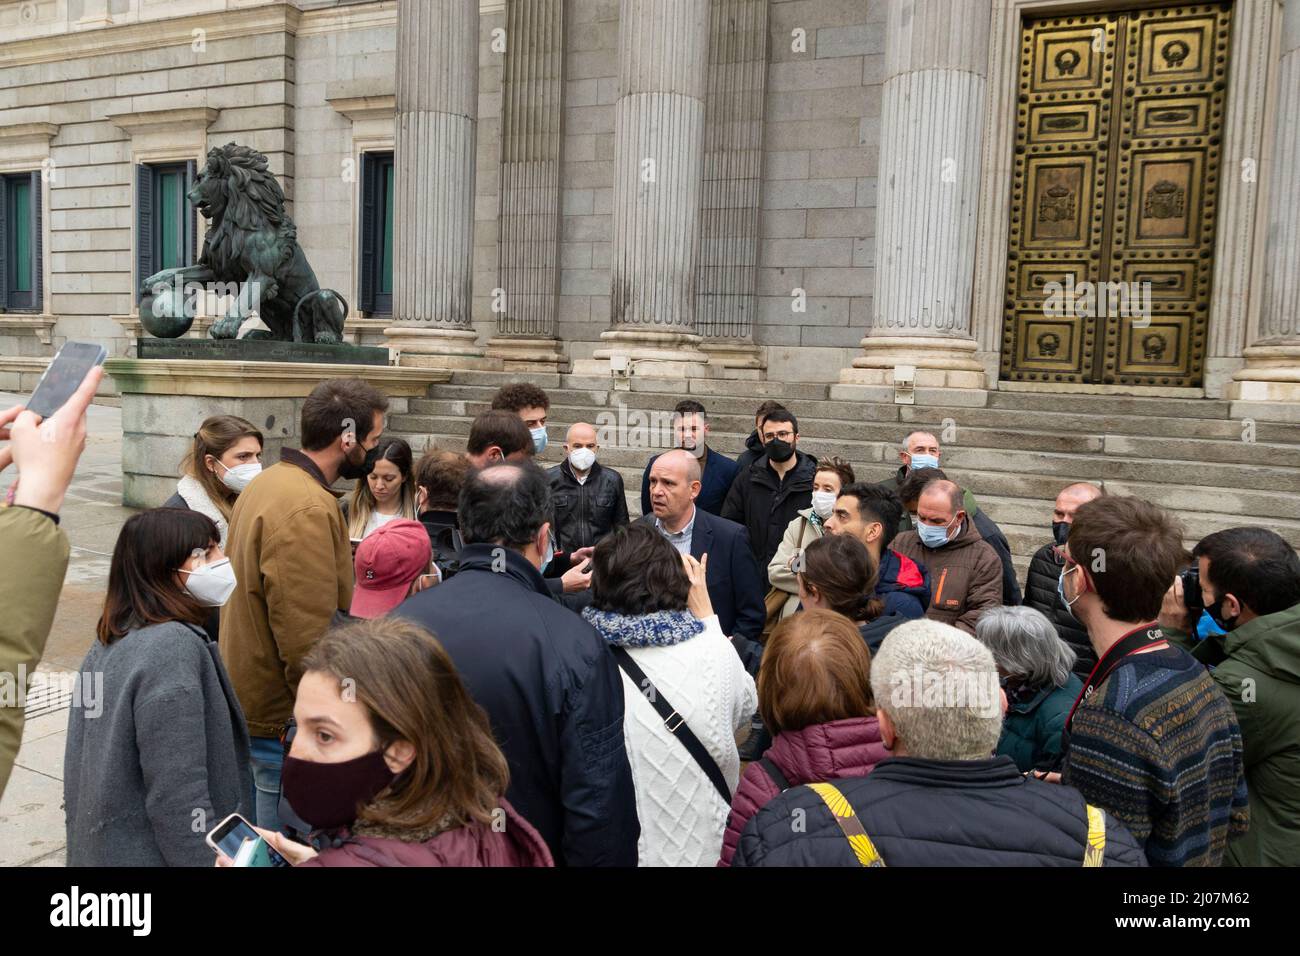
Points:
(393, 763)
(225, 456)
(386, 493)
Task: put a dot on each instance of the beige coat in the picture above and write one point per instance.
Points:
(799, 533)
(289, 548)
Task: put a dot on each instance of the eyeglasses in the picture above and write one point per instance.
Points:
(779, 436)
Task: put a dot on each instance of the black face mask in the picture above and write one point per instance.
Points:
(1060, 532)
(1215, 611)
(329, 795)
(779, 451)
(353, 470)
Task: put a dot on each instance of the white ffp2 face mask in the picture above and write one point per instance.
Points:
(582, 458)
(212, 584)
(237, 478)
(823, 503)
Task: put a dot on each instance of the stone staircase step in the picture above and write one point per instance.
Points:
(1111, 404)
(876, 442)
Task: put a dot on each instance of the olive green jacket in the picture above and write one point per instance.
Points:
(1257, 666)
(33, 559)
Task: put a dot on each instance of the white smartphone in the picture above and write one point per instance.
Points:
(231, 834)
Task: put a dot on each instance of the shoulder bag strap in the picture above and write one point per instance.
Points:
(1095, 851)
(849, 824)
(772, 770)
(674, 722)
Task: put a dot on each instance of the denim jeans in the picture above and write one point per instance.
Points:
(267, 760)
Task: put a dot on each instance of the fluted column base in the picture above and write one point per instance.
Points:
(734, 358)
(420, 347)
(647, 354)
(1271, 374)
(520, 354)
(939, 362)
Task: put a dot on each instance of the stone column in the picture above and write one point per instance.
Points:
(936, 56)
(1272, 370)
(528, 244)
(433, 231)
(658, 167)
(733, 179)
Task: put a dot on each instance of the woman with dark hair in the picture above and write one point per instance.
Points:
(386, 493)
(157, 750)
(394, 763)
(225, 456)
(838, 574)
(652, 606)
(814, 692)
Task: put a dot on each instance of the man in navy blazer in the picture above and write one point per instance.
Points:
(735, 586)
(717, 471)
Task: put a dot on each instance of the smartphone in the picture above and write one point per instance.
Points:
(64, 375)
(255, 853)
(230, 835)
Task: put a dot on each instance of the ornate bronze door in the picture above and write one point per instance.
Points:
(1114, 196)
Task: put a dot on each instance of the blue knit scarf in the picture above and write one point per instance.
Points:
(658, 629)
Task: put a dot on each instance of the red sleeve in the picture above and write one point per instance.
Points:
(755, 790)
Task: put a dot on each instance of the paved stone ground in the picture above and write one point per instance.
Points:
(31, 811)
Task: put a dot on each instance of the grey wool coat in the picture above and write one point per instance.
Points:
(163, 761)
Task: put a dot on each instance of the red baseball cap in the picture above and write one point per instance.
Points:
(387, 561)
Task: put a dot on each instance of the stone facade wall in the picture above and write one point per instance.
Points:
(821, 133)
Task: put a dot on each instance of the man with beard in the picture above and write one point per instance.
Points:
(766, 498)
(288, 546)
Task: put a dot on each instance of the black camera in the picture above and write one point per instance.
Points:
(1191, 578)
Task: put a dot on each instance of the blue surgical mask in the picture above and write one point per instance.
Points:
(932, 536)
(924, 461)
(539, 439)
(549, 555)
(1060, 590)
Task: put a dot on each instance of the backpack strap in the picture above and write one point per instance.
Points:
(674, 722)
(849, 824)
(772, 770)
(1095, 851)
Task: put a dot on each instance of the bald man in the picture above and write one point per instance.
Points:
(589, 498)
(1045, 570)
(965, 571)
(735, 585)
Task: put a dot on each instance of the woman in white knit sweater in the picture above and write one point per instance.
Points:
(653, 602)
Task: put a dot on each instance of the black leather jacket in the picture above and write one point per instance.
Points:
(586, 513)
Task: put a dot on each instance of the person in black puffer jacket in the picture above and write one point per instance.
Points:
(1045, 570)
(940, 800)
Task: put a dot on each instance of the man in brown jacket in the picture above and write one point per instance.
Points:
(965, 572)
(288, 546)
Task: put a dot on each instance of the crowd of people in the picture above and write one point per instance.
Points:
(467, 659)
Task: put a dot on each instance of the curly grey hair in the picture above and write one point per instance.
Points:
(1025, 645)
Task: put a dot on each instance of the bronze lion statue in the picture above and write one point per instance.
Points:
(251, 249)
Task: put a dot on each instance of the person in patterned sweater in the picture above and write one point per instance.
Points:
(1151, 738)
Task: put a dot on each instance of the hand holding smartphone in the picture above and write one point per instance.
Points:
(47, 438)
(235, 837)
